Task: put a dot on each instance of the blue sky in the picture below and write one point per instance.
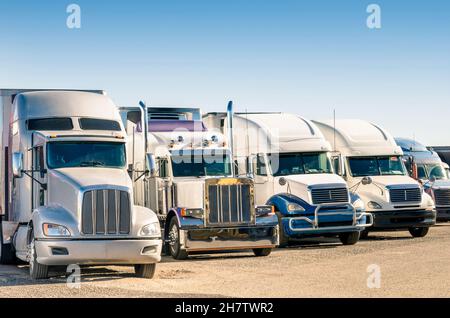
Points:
(308, 57)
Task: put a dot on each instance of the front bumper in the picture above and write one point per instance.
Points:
(101, 252)
(327, 219)
(405, 219)
(443, 213)
(223, 239)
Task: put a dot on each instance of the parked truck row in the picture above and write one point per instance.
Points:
(87, 182)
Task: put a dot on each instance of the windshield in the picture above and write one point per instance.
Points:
(70, 154)
(376, 166)
(284, 164)
(201, 165)
(435, 171)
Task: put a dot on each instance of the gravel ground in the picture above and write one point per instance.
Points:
(409, 268)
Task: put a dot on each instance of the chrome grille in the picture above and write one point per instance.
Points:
(442, 197)
(105, 212)
(405, 195)
(335, 195)
(229, 204)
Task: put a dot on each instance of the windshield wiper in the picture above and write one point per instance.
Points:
(92, 164)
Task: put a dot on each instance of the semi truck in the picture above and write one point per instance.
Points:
(426, 166)
(289, 159)
(184, 172)
(371, 162)
(67, 197)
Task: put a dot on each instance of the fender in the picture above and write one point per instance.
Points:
(185, 223)
(282, 200)
(55, 214)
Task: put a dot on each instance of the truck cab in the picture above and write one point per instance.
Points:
(69, 195)
(371, 162)
(185, 173)
(290, 162)
(426, 166)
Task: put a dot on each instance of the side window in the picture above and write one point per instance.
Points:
(421, 173)
(163, 168)
(261, 169)
(335, 163)
(39, 158)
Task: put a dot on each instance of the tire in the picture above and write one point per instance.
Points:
(284, 240)
(259, 252)
(145, 270)
(173, 236)
(418, 231)
(363, 235)
(37, 271)
(349, 238)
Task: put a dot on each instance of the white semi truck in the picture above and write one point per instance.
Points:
(184, 172)
(66, 194)
(290, 162)
(371, 162)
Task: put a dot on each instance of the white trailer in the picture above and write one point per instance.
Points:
(289, 159)
(371, 162)
(67, 196)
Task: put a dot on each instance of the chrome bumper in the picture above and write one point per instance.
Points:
(315, 221)
(104, 252)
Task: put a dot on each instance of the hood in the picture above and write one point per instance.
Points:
(89, 176)
(299, 184)
(316, 179)
(189, 192)
(440, 184)
(386, 181)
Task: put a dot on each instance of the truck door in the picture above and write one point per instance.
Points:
(263, 186)
(39, 182)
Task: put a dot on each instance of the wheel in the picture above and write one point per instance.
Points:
(363, 234)
(262, 251)
(349, 238)
(37, 271)
(174, 241)
(145, 270)
(418, 231)
(284, 240)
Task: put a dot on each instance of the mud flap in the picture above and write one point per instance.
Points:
(7, 252)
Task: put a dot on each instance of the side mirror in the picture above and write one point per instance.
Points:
(151, 164)
(282, 181)
(338, 165)
(366, 180)
(250, 170)
(17, 164)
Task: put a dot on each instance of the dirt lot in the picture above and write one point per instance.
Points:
(409, 268)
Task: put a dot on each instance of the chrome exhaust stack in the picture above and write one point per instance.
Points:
(230, 114)
(145, 123)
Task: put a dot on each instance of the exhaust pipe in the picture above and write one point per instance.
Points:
(230, 114)
(145, 124)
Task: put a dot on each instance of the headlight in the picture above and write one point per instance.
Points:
(374, 205)
(295, 207)
(194, 213)
(152, 229)
(359, 205)
(55, 230)
(265, 210)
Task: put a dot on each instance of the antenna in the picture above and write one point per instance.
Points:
(246, 127)
(334, 129)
